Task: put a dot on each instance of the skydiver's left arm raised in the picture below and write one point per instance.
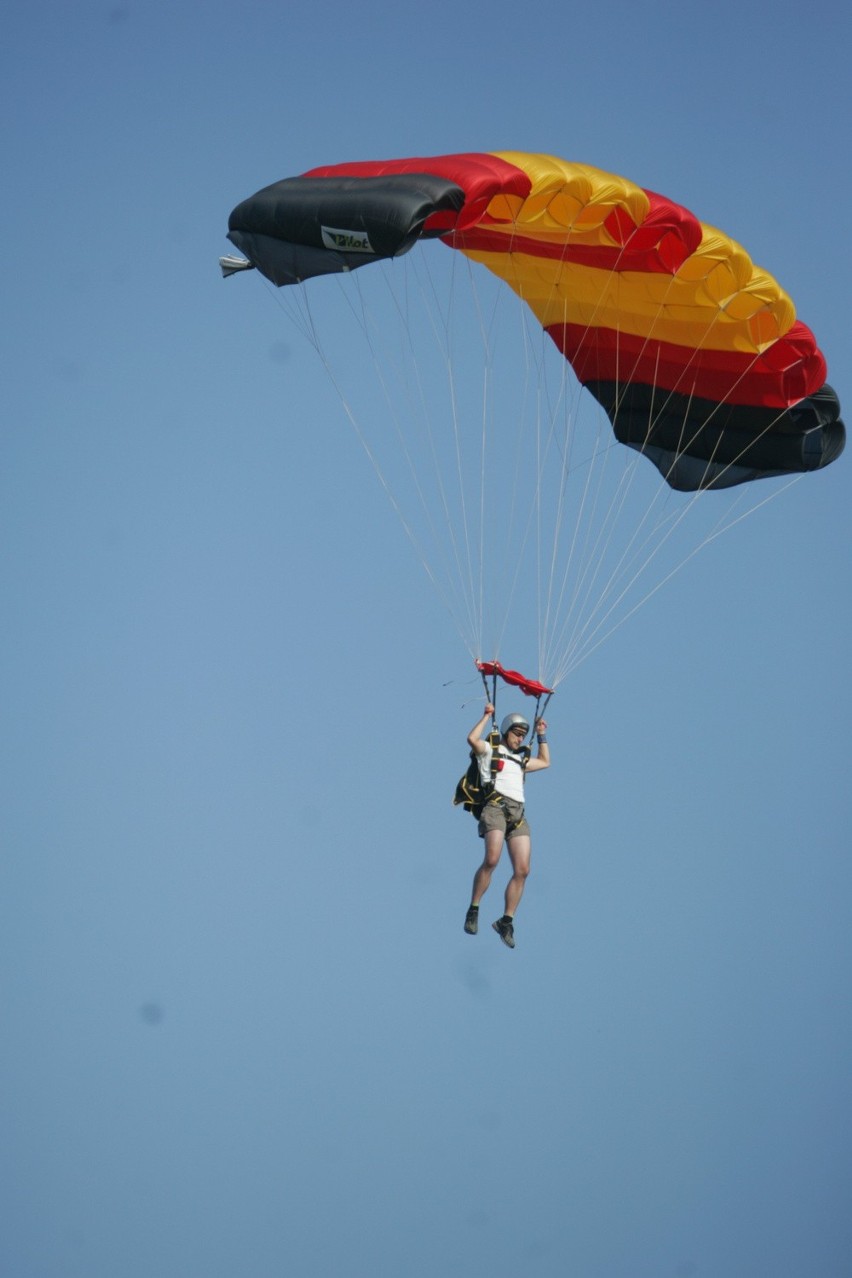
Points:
(542, 756)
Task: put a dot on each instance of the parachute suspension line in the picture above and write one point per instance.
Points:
(600, 552)
(446, 348)
(598, 531)
(295, 302)
(542, 596)
(562, 413)
(513, 524)
(517, 541)
(581, 550)
(367, 329)
(483, 453)
(554, 605)
(473, 533)
(728, 519)
(585, 642)
(558, 410)
(583, 561)
(596, 548)
(502, 541)
(469, 576)
(581, 553)
(483, 490)
(719, 531)
(459, 573)
(591, 532)
(582, 634)
(546, 416)
(479, 533)
(541, 607)
(524, 518)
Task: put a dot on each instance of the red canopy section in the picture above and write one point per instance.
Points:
(530, 687)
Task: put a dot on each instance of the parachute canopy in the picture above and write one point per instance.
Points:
(694, 352)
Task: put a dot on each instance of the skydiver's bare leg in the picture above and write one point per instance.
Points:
(482, 879)
(520, 849)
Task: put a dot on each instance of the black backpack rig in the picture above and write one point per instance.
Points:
(472, 793)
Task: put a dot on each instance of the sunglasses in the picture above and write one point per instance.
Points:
(520, 727)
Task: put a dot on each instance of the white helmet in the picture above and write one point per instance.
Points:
(514, 721)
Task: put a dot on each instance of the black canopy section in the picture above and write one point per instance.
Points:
(700, 443)
(306, 226)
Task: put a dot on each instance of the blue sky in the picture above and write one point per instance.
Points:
(243, 1030)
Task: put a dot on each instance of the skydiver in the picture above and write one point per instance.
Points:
(502, 818)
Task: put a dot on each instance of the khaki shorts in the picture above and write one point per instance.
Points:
(503, 814)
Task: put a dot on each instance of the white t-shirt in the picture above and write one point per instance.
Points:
(510, 779)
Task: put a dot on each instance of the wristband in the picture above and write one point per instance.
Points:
(541, 738)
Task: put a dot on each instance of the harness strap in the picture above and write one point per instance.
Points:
(494, 740)
(511, 824)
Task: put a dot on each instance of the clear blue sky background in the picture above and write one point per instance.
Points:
(243, 1032)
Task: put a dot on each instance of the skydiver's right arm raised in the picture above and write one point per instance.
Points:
(474, 737)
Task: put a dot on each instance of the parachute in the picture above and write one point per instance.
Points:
(693, 352)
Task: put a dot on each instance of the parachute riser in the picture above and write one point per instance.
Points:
(491, 695)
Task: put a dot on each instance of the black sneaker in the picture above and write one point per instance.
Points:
(506, 932)
(471, 921)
